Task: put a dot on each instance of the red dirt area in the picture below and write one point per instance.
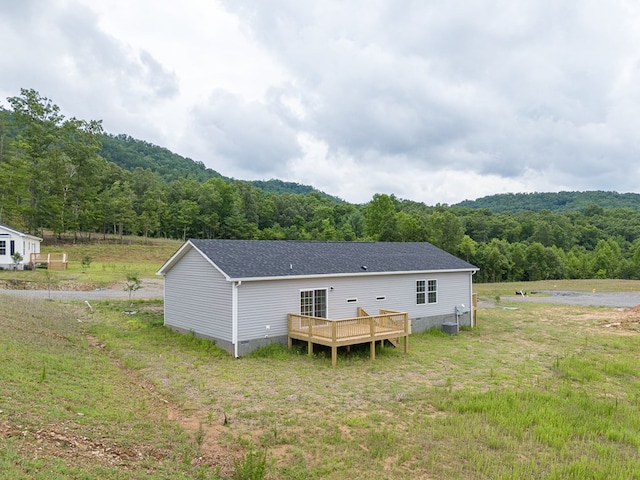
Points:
(628, 319)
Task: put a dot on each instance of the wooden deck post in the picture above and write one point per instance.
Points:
(406, 333)
(373, 337)
(334, 348)
(310, 343)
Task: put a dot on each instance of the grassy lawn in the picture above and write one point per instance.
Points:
(536, 391)
(109, 263)
(491, 290)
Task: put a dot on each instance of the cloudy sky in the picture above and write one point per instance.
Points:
(435, 101)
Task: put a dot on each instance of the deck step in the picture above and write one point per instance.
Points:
(394, 341)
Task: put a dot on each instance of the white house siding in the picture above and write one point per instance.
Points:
(198, 299)
(267, 302)
(23, 244)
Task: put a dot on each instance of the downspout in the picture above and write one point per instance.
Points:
(234, 317)
(471, 305)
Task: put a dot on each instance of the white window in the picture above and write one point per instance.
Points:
(3, 247)
(420, 289)
(426, 291)
(432, 291)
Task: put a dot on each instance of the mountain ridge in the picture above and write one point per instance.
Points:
(131, 153)
(556, 202)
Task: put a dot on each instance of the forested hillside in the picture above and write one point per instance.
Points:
(129, 153)
(55, 177)
(554, 202)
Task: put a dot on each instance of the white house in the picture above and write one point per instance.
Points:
(13, 241)
(239, 292)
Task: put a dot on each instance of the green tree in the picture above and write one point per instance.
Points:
(410, 228)
(380, 218)
(536, 258)
(606, 258)
(445, 230)
(40, 121)
(495, 260)
(468, 248)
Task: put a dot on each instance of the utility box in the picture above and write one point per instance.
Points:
(451, 328)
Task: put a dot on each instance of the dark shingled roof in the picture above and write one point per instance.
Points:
(280, 258)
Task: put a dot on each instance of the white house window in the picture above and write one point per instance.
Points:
(3, 247)
(420, 289)
(432, 291)
(426, 291)
(313, 303)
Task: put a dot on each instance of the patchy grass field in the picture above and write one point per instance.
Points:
(108, 263)
(537, 391)
(491, 290)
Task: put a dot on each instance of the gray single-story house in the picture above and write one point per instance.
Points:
(239, 292)
(14, 241)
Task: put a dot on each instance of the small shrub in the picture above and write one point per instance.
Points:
(85, 263)
(16, 258)
(252, 467)
(200, 436)
(132, 285)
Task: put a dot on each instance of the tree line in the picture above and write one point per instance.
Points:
(53, 177)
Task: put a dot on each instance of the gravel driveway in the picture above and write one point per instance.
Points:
(589, 299)
(151, 288)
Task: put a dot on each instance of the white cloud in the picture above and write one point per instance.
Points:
(429, 101)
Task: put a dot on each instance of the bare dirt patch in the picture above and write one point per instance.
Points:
(627, 320)
(61, 441)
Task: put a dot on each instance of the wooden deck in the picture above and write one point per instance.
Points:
(365, 328)
(50, 261)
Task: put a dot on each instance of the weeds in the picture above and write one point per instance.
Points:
(253, 466)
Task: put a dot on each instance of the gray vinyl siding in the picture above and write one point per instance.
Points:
(198, 298)
(267, 303)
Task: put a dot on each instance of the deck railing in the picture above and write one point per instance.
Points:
(388, 324)
(53, 261)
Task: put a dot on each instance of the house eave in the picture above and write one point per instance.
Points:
(345, 275)
(19, 233)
